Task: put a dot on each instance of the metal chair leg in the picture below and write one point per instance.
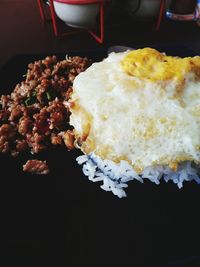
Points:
(53, 16)
(161, 13)
(41, 9)
(99, 38)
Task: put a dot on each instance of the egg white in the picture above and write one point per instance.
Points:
(119, 116)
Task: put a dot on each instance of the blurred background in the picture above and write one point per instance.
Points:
(128, 22)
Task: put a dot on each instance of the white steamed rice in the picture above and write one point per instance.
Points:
(115, 176)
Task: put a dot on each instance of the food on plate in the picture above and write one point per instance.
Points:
(34, 116)
(35, 166)
(136, 115)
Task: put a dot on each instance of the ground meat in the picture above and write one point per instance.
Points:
(4, 146)
(16, 113)
(35, 166)
(35, 115)
(37, 142)
(4, 115)
(5, 100)
(25, 125)
(8, 132)
(21, 145)
(68, 138)
(56, 139)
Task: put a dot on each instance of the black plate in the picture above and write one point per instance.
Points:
(62, 219)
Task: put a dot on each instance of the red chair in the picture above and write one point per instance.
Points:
(99, 38)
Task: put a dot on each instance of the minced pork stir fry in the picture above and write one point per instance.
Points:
(34, 116)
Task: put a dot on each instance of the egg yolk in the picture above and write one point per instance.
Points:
(150, 64)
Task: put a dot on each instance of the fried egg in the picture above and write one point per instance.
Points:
(140, 106)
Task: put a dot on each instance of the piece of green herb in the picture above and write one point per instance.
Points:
(50, 95)
(34, 93)
(31, 99)
(27, 102)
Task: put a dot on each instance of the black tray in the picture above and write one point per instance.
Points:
(62, 219)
